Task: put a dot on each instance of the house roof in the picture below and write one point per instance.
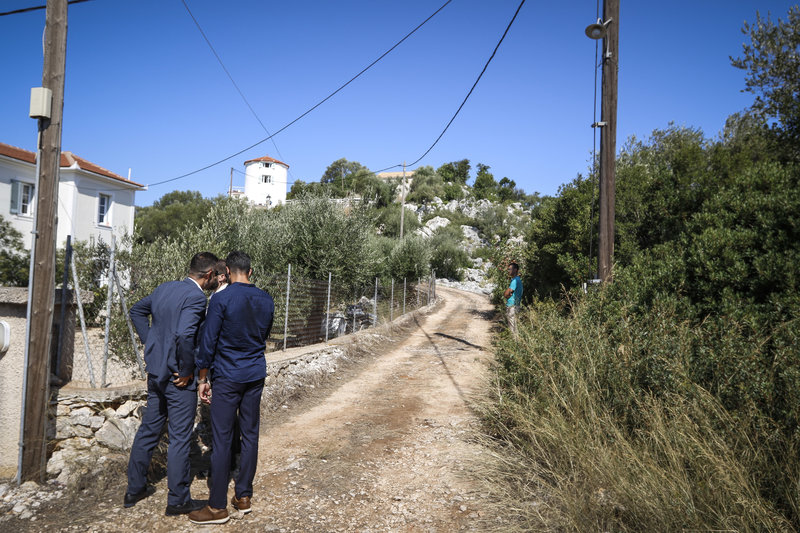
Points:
(68, 160)
(266, 159)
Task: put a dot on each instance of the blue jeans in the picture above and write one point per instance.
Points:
(228, 397)
(177, 407)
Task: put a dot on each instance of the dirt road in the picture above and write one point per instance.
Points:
(389, 449)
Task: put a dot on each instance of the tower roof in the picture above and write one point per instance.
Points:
(266, 159)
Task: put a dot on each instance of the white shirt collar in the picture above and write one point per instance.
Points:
(195, 282)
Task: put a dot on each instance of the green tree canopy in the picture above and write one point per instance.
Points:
(14, 259)
(772, 64)
(344, 177)
(170, 214)
(485, 187)
(455, 171)
(427, 184)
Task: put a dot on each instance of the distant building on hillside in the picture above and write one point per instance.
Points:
(265, 182)
(396, 179)
(93, 202)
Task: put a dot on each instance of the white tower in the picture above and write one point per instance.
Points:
(265, 181)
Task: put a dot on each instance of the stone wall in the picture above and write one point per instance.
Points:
(87, 427)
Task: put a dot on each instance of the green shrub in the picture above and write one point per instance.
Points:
(410, 258)
(448, 258)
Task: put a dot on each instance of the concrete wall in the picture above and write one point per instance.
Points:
(13, 306)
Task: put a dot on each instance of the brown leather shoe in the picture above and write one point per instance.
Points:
(241, 504)
(207, 515)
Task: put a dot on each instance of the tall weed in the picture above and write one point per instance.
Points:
(603, 426)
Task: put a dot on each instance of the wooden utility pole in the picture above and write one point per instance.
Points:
(42, 283)
(230, 187)
(608, 139)
(403, 202)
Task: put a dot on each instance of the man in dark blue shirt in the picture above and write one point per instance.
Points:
(232, 345)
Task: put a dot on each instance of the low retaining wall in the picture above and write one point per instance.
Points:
(88, 426)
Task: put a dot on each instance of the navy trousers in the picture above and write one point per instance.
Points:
(228, 397)
(177, 407)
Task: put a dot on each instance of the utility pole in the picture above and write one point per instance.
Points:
(42, 283)
(403, 202)
(230, 187)
(608, 139)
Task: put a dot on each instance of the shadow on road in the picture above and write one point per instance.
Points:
(445, 335)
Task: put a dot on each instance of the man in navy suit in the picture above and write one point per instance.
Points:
(232, 345)
(177, 309)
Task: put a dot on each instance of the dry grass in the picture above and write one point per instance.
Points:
(580, 448)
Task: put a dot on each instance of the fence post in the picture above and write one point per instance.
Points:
(64, 289)
(375, 302)
(404, 295)
(130, 325)
(428, 294)
(391, 303)
(286, 313)
(83, 321)
(328, 310)
(109, 302)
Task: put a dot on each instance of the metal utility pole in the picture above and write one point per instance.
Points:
(403, 202)
(42, 283)
(608, 139)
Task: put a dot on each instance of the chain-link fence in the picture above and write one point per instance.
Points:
(103, 351)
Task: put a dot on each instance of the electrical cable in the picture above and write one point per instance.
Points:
(36, 8)
(230, 77)
(465, 98)
(398, 43)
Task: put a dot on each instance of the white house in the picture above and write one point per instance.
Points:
(265, 181)
(93, 202)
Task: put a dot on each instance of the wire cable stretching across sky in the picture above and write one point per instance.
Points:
(466, 97)
(398, 43)
(230, 77)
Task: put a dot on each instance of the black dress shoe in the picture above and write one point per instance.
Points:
(132, 498)
(185, 508)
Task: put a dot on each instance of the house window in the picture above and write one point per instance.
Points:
(266, 165)
(23, 198)
(103, 206)
(26, 199)
(266, 179)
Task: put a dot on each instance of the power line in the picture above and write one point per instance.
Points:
(465, 98)
(36, 8)
(230, 77)
(351, 80)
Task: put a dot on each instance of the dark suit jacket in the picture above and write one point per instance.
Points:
(177, 309)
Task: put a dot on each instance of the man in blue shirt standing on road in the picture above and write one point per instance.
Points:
(232, 345)
(513, 296)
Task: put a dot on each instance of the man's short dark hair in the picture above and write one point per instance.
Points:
(202, 263)
(238, 261)
(514, 265)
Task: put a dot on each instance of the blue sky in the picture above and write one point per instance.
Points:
(144, 91)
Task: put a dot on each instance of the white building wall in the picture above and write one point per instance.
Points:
(257, 192)
(11, 170)
(78, 196)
